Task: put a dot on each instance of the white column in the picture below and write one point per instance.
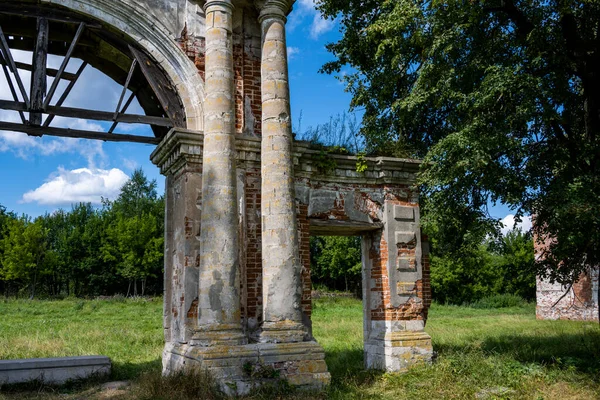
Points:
(219, 319)
(282, 286)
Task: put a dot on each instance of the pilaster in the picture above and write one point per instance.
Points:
(179, 157)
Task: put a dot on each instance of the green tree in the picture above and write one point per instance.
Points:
(140, 245)
(500, 97)
(494, 266)
(134, 232)
(137, 196)
(514, 261)
(5, 218)
(336, 262)
(25, 250)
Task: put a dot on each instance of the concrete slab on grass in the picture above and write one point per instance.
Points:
(53, 370)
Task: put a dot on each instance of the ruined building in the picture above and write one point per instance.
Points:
(242, 198)
(577, 302)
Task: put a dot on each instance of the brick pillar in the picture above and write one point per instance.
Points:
(396, 291)
(219, 314)
(282, 284)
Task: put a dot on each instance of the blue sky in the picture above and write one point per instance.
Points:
(41, 175)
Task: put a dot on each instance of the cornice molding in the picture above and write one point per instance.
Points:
(182, 148)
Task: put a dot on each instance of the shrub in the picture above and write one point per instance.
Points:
(500, 301)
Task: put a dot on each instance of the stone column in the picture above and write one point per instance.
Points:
(282, 286)
(219, 320)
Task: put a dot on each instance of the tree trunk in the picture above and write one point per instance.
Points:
(128, 288)
(33, 286)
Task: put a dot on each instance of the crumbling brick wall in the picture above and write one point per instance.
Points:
(246, 66)
(556, 301)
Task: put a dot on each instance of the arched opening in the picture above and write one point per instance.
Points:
(61, 45)
(46, 52)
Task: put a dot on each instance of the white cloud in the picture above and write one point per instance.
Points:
(292, 52)
(306, 10)
(79, 185)
(130, 164)
(508, 223)
(26, 147)
(320, 26)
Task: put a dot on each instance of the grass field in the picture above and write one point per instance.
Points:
(493, 354)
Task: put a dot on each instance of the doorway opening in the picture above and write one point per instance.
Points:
(337, 316)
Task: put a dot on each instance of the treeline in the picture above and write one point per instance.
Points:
(87, 251)
(504, 265)
(118, 249)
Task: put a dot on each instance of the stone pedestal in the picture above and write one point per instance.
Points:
(394, 349)
(242, 368)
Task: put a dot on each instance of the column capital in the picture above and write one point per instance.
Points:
(228, 4)
(179, 150)
(274, 9)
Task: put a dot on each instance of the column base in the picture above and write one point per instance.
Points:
(283, 332)
(218, 335)
(398, 351)
(239, 369)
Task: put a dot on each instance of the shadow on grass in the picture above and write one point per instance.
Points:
(131, 370)
(348, 371)
(576, 351)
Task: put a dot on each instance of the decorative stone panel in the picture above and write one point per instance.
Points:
(404, 256)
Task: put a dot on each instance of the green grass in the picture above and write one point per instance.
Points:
(499, 353)
(129, 332)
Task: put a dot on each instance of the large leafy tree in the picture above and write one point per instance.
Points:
(503, 265)
(25, 252)
(134, 234)
(500, 97)
(336, 262)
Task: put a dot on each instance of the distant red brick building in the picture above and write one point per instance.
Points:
(556, 301)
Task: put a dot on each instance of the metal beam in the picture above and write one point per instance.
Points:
(38, 77)
(131, 69)
(82, 113)
(63, 97)
(163, 89)
(11, 64)
(64, 65)
(11, 86)
(75, 133)
(125, 107)
(35, 11)
(67, 76)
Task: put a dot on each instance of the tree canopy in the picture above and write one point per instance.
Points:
(502, 100)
